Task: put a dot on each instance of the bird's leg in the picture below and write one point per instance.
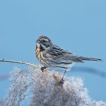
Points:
(43, 68)
(62, 80)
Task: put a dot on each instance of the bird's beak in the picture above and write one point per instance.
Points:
(38, 41)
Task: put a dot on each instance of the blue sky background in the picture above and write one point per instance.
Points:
(75, 25)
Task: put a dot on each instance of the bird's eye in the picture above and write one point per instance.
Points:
(43, 41)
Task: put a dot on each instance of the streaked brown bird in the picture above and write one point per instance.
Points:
(52, 56)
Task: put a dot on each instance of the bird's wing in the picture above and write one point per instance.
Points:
(58, 53)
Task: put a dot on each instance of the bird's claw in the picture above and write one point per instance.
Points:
(61, 81)
(43, 68)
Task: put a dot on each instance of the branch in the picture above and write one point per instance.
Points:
(19, 62)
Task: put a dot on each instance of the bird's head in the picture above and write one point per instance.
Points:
(43, 43)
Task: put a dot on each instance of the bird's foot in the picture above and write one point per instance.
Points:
(61, 81)
(43, 68)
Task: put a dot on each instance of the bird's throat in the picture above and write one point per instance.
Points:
(39, 48)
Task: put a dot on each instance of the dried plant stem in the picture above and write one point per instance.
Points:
(18, 62)
(21, 62)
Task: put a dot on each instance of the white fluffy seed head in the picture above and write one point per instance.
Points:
(46, 89)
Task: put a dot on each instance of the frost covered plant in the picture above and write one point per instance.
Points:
(46, 89)
(18, 88)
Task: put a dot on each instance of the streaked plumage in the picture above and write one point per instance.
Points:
(52, 56)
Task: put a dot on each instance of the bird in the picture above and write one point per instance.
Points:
(53, 56)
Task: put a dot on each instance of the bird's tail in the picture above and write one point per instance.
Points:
(89, 59)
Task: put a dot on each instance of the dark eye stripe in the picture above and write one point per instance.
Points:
(43, 41)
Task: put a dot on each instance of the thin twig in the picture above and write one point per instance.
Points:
(19, 62)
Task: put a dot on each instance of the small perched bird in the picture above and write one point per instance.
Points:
(52, 56)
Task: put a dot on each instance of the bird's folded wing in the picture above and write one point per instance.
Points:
(58, 53)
